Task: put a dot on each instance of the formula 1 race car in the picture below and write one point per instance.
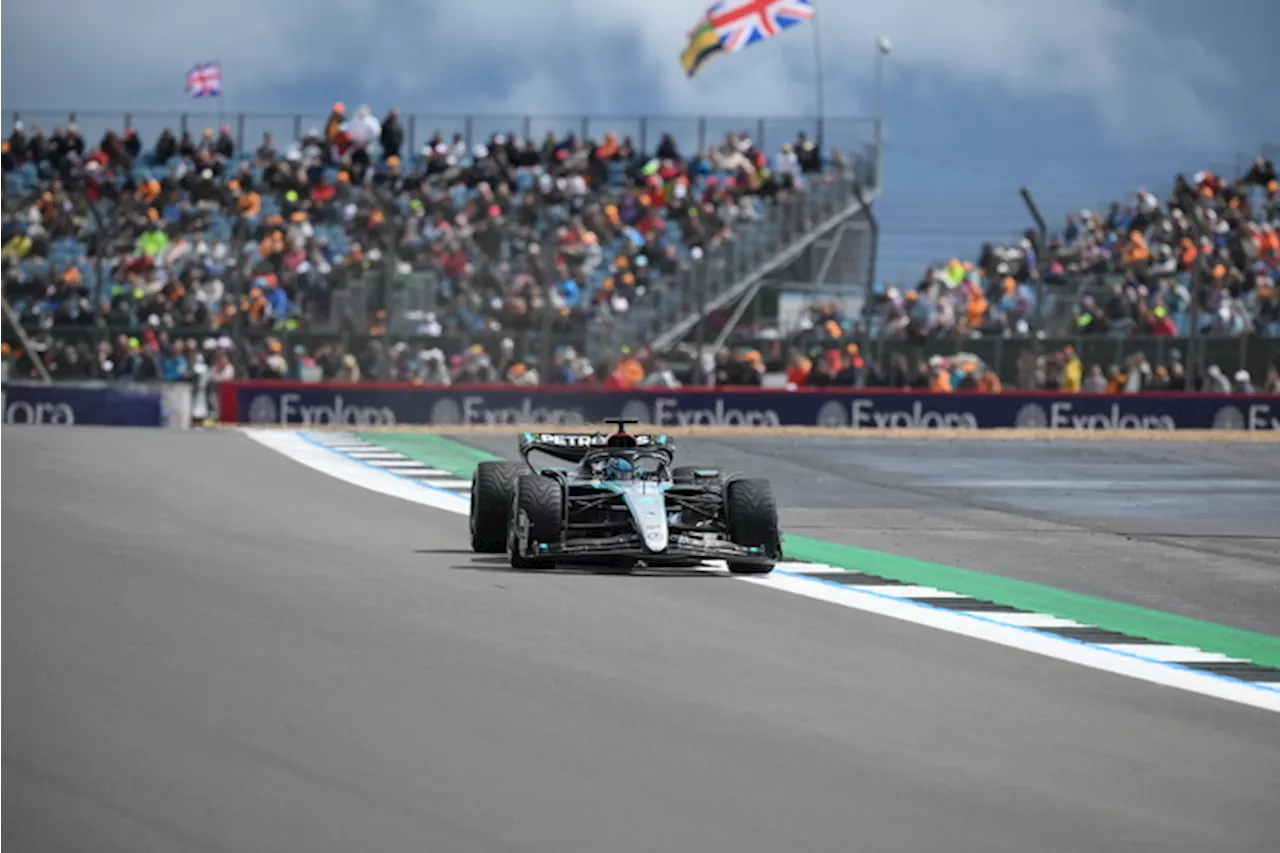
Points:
(622, 501)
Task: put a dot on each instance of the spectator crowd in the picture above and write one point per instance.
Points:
(202, 255)
(188, 257)
(1206, 260)
(1062, 370)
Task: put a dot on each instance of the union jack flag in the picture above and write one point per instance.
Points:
(205, 80)
(742, 23)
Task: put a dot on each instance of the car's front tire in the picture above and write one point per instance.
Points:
(751, 514)
(492, 484)
(537, 512)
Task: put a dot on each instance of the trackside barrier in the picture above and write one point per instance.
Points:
(391, 404)
(144, 404)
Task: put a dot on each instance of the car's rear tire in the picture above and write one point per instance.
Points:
(492, 485)
(538, 502)
(751, 514)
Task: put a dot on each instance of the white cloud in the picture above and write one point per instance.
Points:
(604, 56)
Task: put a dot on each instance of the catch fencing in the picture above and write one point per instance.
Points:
(852, 135)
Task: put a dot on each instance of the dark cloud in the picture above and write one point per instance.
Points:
(567, 57)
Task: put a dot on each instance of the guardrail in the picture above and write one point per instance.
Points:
(389, 404)
(853, 135)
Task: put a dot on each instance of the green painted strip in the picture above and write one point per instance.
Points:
(1104, 613)
(451, 456)
(1157, 625)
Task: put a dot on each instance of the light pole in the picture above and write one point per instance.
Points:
(882, 50)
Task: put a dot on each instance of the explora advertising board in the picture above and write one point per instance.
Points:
(382, 404)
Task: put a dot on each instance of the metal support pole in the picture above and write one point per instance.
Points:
(12, 317)
(833, 248)
(1200, 275)
(736, 316)
(1042, 235)
(1042, 230)
(874, 227)
(817, 67)
(700, 374)
(882, 50)
(105, 237)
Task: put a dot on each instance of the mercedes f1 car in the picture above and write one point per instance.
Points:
(620, 498)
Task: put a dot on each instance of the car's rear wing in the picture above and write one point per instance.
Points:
(574, 446)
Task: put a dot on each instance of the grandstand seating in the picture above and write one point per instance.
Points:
(618, 216)
(1195, 279)
(572, 243)
(1130, 271)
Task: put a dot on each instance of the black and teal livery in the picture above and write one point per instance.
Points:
(622, 500)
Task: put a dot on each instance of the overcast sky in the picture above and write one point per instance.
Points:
(1079, 100)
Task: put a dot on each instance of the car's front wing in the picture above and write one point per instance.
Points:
(681, 547)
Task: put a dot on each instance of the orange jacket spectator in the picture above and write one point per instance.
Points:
(626, 374)
(1269, 244)
(1135, 249)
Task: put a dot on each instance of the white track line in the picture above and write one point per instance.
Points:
(1029, 620)
(394, 465)
(1029, 640)
(441, 484)
(319, 458)
(992, 628)
(907, 591)
(1172, 654)
(428, 474)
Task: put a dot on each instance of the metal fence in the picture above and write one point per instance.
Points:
(1006, 355)
(1009, 357)
(529, 343)
(850, 135)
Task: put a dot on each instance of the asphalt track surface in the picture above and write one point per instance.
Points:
(208, 646)
(1184, 528)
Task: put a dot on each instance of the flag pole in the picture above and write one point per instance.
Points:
(817, 66)
(222, 98)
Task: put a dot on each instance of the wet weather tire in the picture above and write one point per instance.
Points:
(752, 517)
(492, 485)
(537, 512)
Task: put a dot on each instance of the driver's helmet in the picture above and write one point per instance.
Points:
(618, 468)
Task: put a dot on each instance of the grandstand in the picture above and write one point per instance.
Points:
(1151, 294)
(466, 241)
(506, 249)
